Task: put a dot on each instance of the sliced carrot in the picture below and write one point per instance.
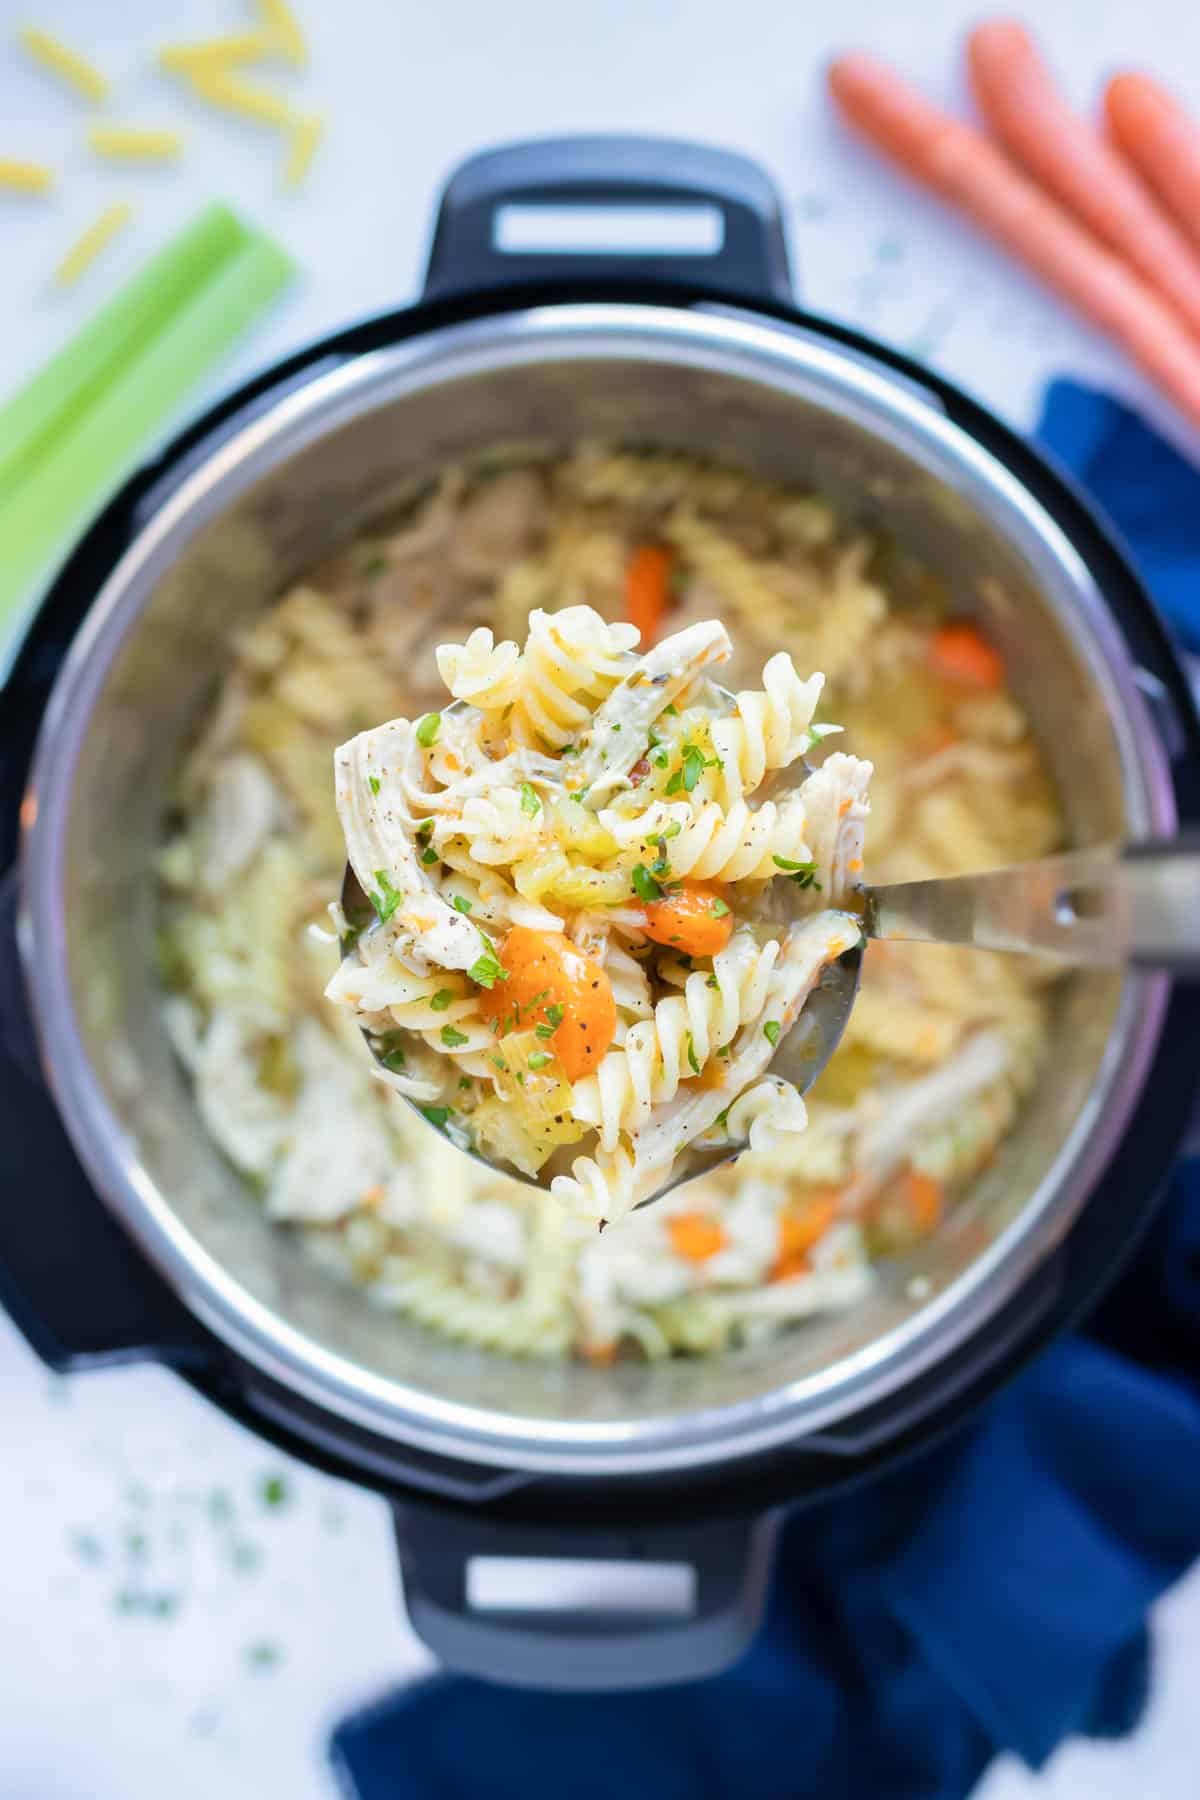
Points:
(967, 170)
(695, 1236)
(1161, 140)
(959, 652)
(555, 990)
(802, 1228)
(696, 919)
(648, 590)
(923, 1197)
(1019, 100)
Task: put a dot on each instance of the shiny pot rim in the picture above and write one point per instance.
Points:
(795, 358)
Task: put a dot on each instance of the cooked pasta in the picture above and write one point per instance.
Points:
(512, 1044)
(939, 1052)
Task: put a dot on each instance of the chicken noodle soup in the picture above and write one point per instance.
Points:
(941, 1045)
(600, 813)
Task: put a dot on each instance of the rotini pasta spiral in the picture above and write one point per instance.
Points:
(770, 728)
(686, 1030)
(437, 1298)
(481, 671)
(571, 660)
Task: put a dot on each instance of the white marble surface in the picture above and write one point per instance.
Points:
(174, 1596)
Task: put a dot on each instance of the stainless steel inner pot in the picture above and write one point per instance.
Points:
(300, 477)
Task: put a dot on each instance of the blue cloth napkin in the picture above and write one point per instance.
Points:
(991, 1596)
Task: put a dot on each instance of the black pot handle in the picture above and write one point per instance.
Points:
(725, 195)
(721, 1569)
(72, 1281)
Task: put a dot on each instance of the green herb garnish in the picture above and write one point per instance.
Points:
(438, 1115)
(442, 999)
(539, 1058)
(645, 886)
(452, 1039)
(804, 874)
(429, 857)
(373, 783)
(487, 969)
(771, 1031)
(693, 1060)
(424, 831)
(529, 801)
(387, 898)
(459, 904)
(719, 908)
(428, 728)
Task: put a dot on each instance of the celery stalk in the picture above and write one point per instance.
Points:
(102, 443)
(45, 407)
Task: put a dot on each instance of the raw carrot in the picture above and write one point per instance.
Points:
(1161, 140)
(648, 590)
(1026, 112)
(960, 652)
(695, 1236)
(962, 166)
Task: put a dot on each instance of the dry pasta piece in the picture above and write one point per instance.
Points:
(303, 141)
(243, 98)
(215, 55)
(25, 177)
(284, 30)
(59, 59)
(135, 143)
(96, 238)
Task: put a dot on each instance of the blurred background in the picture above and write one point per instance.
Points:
(174, 1595)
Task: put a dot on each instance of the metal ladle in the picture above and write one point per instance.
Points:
(1098, 908)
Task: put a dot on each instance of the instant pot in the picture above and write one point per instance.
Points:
(123, 1234)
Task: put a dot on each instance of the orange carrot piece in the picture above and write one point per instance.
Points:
(923, 1199)
(1161, 140)
(800, 1230)
(601, 1356)
(695, 1236)
(1026, 112)
(551, 984)
(963, 167)
(959, 652)
(648, 590)
(696, 919)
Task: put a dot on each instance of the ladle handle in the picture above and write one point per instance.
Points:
(1089, 908)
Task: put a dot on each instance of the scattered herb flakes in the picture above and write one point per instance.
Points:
(719, 908)
(460, 904)
(712, 982)
(386, 898)
(660, 758)
(263, 1655)
(771, 1031)
(273, 1491)
(693, 766)
(427, 730)
(675, 784)
(438, 1116)
(539, 1058)
(220, 1506)
(530, 803)
(645, 886)
(464, 1081)
(671, 711)
(722, 1118)
(454, 1040)
(87, 1547)
(245, 1557)
(441, 999)
(424, 831)
(429, 856)
(693, 1059)
(373, 782)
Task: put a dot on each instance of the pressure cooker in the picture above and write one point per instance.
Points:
(124, 1236)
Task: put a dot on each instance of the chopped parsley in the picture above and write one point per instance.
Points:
(660, 759)
(804, 874)
(555, 1015)
(428, 728)
(539, 1058)
(645, 886)
(386, 898)
(712, 982)
(438, 1115)
(487, 969)
(529, 801)
(373, 783)
(454, 1040)
(670, 712)
(464, 1081)
(390, 1051)
(693, 1060)
(424, 831)
(441, 999)
(719, 908)
(374, 567)
(722, 1118)
(459, 904)
(771, 1031)
(429, 857)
